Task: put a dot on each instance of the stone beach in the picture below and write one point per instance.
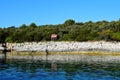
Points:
(66, 46)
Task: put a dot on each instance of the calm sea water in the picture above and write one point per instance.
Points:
(25, 69)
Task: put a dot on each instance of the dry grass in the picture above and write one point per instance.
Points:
(26, 53)
(63, 53)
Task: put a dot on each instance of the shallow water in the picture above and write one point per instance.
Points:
(90, 68)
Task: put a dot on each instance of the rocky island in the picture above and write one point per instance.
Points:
(65, 46)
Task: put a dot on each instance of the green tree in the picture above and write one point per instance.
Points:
(69, 22)
(32, 25)
(23, 26)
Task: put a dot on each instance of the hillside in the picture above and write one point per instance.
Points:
(68, 31)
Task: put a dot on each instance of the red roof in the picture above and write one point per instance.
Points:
(53, 35)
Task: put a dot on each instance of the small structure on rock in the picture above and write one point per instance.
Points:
(53, 37)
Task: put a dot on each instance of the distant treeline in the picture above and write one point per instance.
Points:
(68, 31)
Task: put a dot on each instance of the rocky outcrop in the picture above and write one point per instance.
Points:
(66, 46)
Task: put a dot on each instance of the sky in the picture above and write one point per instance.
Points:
(43, 12)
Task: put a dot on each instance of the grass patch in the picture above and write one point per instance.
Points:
(92, 53)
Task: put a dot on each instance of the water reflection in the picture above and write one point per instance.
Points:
(71, 58)
(51, 70)
(3, 59)
(61, 67)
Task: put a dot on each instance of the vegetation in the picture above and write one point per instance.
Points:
(68, 31)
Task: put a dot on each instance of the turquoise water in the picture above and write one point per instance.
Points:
(58, 70)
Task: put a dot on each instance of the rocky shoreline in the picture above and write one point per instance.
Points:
(65, 46)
